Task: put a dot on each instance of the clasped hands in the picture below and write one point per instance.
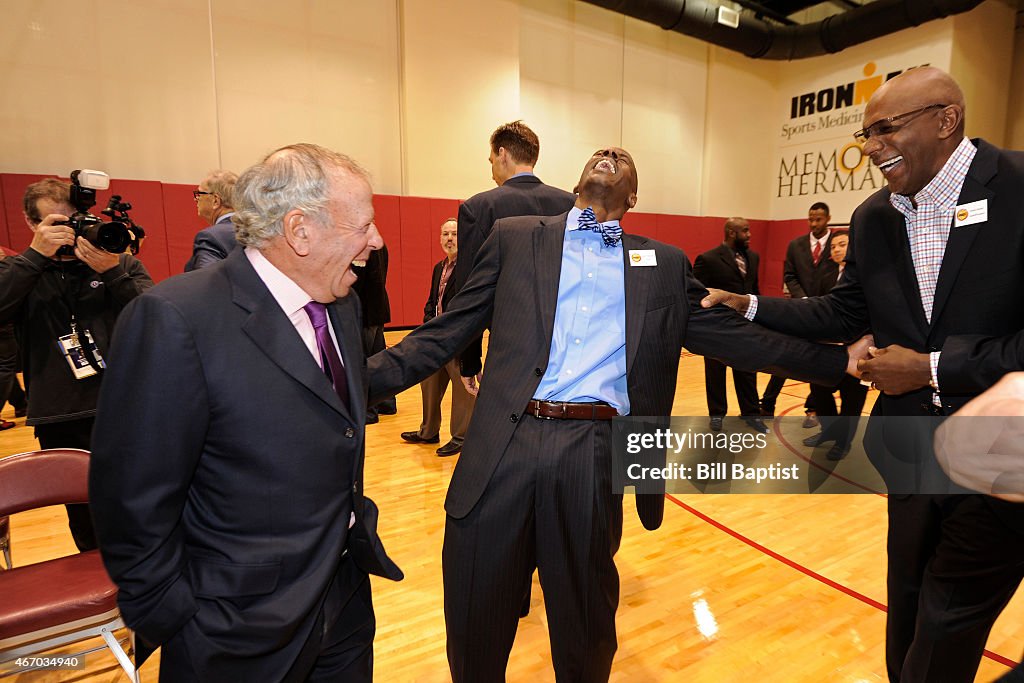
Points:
(892, 370)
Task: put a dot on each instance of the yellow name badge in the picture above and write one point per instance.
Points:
(969, 214)
(642, 257)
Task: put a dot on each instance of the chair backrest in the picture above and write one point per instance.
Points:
(41, 478)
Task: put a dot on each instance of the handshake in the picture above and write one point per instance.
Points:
(892, 370)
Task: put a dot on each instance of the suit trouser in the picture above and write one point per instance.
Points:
(8, 362)
(339, 647)
(373, 341)
(72, 434)
(953, 566)
(839, 426)
(772, 391)
(714, 385)
(433, 390)
(549, 505)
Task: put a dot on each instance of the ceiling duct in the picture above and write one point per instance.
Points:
(763, 40)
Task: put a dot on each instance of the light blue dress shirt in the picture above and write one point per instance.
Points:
(588, 342)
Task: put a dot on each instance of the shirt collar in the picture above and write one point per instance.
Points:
(289, 296)
(944, 189)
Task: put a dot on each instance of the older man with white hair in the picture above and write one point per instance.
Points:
(241, 545)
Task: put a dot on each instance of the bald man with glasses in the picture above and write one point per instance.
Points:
(934, 271)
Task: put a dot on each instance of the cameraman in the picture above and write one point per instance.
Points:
(64, 308)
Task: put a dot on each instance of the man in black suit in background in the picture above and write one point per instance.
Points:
(514, 152)
(807, 256)
(807, 262)
(242, 544)
(934, 270)
(731, 266)
(837, 426)
(214, 205)
(371, 286)
(434, 387)
(586, 323)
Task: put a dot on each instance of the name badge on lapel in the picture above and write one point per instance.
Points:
(642, 257)
(969, 214)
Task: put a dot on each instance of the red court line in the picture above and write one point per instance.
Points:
(1005, 661)
(831, 473)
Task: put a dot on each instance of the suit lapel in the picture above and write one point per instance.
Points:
(271, 330)
(636, 282)
(894, 232)
(548, 239)
(725, 253)
(982, 169)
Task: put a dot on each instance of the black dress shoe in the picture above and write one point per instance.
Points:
(450, 448)
(757, 424)
(372, 419)
(386, 409)
(814, 440)
(414, 437)
(837, 452)
(716, 424)
(21, 412)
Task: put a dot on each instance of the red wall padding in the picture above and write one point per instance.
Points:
(411, 227)
(181, 223)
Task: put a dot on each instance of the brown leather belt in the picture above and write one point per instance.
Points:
(551, 410)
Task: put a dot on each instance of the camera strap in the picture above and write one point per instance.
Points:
(79, 348)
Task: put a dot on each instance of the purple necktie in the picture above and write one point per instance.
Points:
(333, 368)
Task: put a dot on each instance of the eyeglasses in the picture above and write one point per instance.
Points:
(885, 126)
(196, 194)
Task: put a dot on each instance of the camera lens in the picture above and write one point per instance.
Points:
(113, 236)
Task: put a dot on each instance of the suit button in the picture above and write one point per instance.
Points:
(538, 372)
(349, 433)
(513, 418)
(355, 487)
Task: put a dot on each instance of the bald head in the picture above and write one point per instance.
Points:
(737, 233)
(913, 124)
(926, 85)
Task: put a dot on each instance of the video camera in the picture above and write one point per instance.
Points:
(114, 236)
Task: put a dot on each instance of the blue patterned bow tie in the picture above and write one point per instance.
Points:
(611, 234)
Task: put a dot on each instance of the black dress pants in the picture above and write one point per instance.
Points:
(548, 505)
(72, 434)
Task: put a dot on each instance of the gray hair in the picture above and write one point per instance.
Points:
(222, 184)
(293, 177)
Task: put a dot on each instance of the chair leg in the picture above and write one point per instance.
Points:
(122, 658)
(5, 540)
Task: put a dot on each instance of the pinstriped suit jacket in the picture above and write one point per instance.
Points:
(513, 289)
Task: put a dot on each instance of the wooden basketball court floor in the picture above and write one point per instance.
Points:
(767, 588)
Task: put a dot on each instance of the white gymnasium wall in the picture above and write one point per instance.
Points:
(168, 89)
(982, 46)
(460, 64)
